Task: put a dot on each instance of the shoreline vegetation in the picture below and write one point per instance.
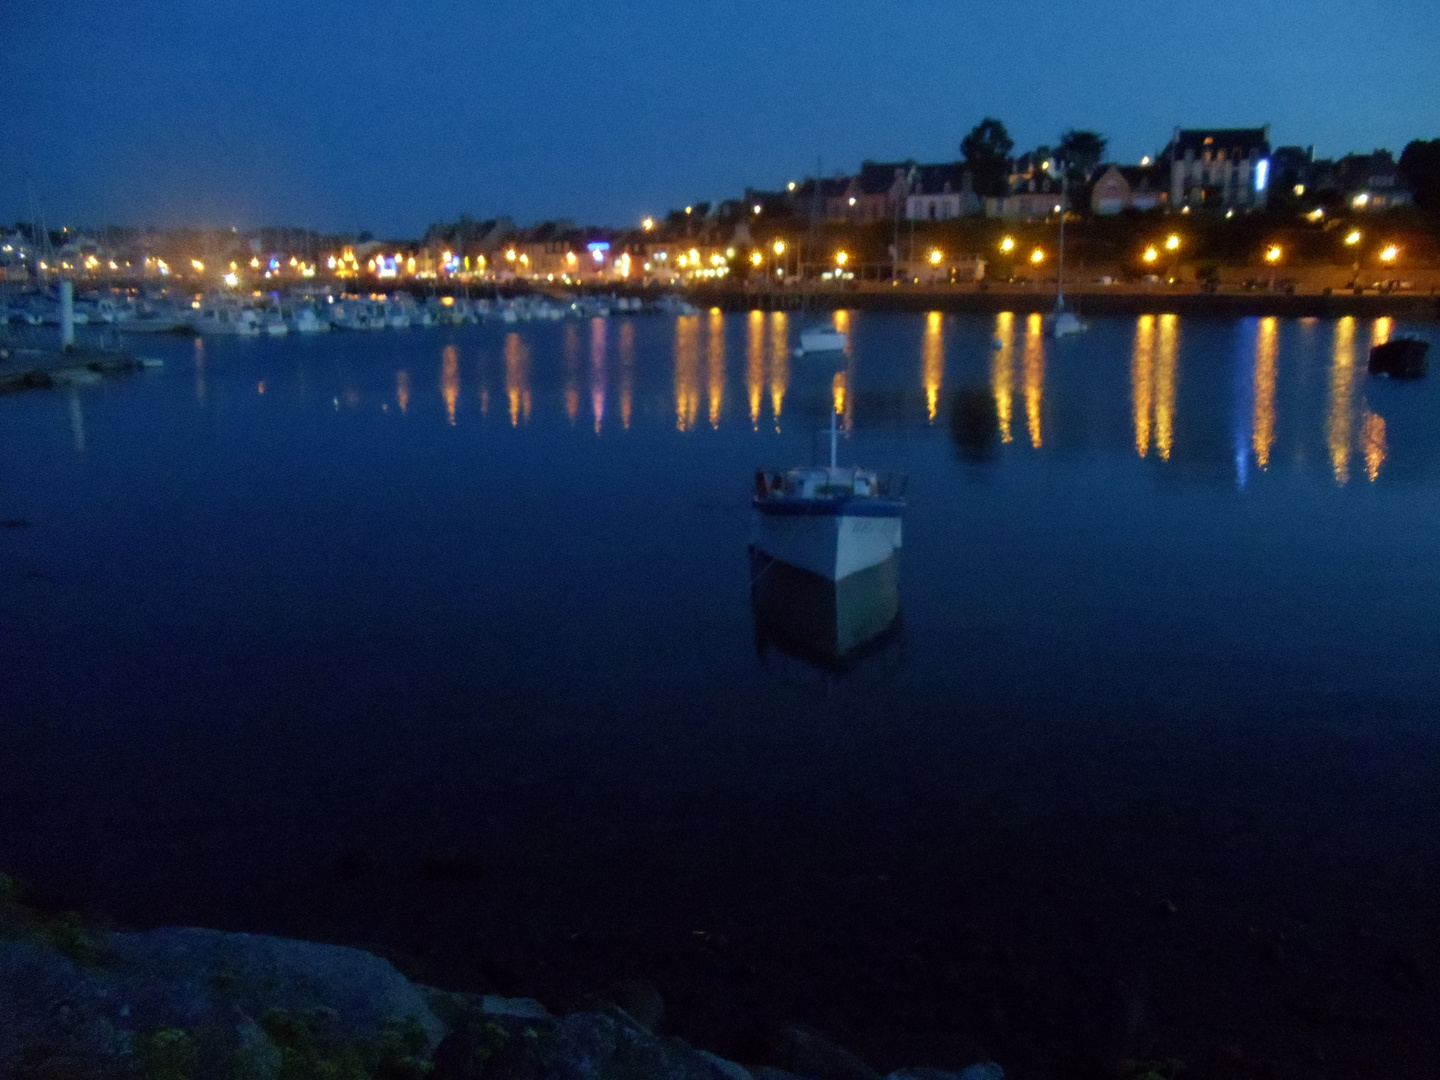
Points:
(84, 1003)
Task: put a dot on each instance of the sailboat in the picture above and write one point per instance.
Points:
(832, 522)
(1062, 323)
(818, 337)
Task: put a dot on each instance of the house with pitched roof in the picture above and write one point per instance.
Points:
(1118, 188)
(876, 193)
(940, 192)
(1219, 168)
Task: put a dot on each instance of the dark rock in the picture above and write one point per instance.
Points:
(223, 997)
(805, 1051)
(581, 1046)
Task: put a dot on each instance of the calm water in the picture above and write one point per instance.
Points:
(440, 642)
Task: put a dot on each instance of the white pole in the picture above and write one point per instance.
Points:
(833, 412)
(67, 314)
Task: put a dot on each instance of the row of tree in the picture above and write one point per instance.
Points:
(988, 148)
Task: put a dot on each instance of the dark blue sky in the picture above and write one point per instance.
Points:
(387, 116)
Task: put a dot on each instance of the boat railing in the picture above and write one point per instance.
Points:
(780, 484)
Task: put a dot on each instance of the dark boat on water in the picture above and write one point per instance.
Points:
(1400, 358)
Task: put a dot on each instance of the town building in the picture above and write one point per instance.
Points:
(876, 193)
(1128, 187)
(1025, 205)
(1219, 168)
(940, 193)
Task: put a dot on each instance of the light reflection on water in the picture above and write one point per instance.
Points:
(932, 362)
(1267, 352)
(1033, 365)
(1002, 373)
(1016, 358)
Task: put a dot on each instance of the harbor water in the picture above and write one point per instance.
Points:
(442, 643)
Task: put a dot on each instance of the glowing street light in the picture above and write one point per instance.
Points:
(648, 224)
(1389, 254)
(756, 208)
(510, 255)
(198, 265)
(779, 247)
(1172, 243)
(756, 258)
(1273, 253)
(935, 257)
(1353, 238)
(1007, 245)
(1037, 256)
(1151, 254)
(841, 258)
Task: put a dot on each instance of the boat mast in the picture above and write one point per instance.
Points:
(1060, 267)
(833, 435)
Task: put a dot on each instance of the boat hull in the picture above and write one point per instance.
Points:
(821, 341)
(823, 622)
(1400, 358)
(831, 538)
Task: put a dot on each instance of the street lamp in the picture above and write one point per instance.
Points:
(1037, 256)
(841, 258)
(1272, 256)
(1172, 243)
(1352, 240)
(935, 257)
(1389, 254)
(1007, 245)
(648, 224)
(1151, 254)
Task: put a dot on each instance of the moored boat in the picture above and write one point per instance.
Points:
(827, 520)
(1400, 358)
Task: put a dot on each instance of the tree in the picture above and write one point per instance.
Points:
(987, 155)
(1420, 165)
(1081, 151)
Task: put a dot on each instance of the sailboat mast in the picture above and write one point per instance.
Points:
(833, 436)
(1060, 267)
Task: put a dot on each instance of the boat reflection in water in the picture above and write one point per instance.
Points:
(831, 627)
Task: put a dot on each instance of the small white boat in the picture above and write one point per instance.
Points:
(1062, 323)
(307, 322)
(820, 339)
(830, 625)
(275, 324)
(830, 521)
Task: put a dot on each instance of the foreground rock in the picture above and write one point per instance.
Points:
(187, 1004)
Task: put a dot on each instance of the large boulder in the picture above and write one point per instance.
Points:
(202, 1002)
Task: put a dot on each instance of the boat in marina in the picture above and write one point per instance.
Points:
(1060, 322)
(829, 521)
(307, 322)
(216, 319)
(1400, 358)
(820, 338)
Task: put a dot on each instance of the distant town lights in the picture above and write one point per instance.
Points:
(1389, 254)
(779, 247)
(1007, 245)
(1037, 256)
(1353, 238)
(1273, 253)
(757, 208)
(1151, 254)
(756, 258)
(648, 224)
(1361, 200)
(1172, 243)
(842, 257)
(935, 257)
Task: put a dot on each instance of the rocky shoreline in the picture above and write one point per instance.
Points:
(180, 1003)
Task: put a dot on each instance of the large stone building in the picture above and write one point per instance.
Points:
(1219, 168)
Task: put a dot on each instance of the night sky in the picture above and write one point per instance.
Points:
(387, 116)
